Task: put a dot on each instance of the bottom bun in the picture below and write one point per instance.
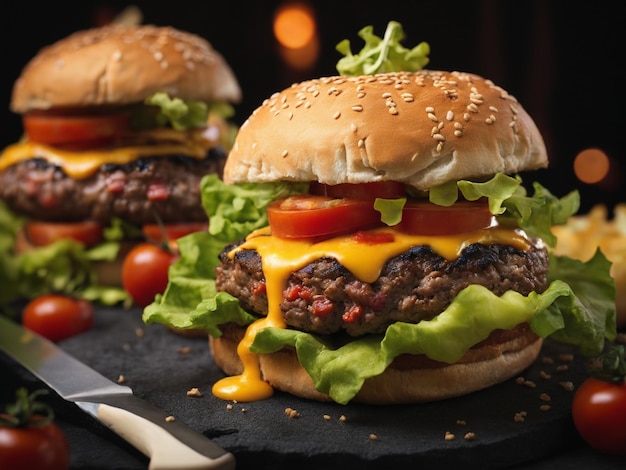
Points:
(409, 378)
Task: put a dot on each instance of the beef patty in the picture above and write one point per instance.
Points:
(138, 192)
(324, 297)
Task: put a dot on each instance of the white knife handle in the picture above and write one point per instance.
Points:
(163, 449)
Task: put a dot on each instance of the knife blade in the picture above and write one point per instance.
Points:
(169, 444)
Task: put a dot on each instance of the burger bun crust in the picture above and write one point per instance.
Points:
(423, 128)
(117, 65)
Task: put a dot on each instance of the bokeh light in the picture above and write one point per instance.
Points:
(294, 25)
(591, 165)
(295, 30)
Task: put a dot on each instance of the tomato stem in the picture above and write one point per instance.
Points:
(21, 413)
(610, 366)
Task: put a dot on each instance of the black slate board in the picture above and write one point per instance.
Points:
(261, 435)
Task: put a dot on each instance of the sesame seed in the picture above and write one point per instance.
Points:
(353, 127)
(432, 117)
(472, 107)
(361, 143)
(439, 137)
(439, 147)
(458, 133)
(170, 419)
(307, 105)
(284, 154)
(357, 107)
(360, 94)
(430, 109)
(386, 95)
(393, 110)
(493, 108)
(449, 115)
(466, 117)
(336, 115)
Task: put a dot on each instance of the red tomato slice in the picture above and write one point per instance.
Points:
(171, 232)
(425, 218)
(369, 191)
(46, 233)
(75, 131)
(317, 216)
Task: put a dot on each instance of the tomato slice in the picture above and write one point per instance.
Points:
(75, 131)
(369, 191)
(170, 232)
(425, 218)
(45, 233)
(307, 216)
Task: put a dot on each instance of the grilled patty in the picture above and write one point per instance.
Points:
(139, 192)
(324, 297)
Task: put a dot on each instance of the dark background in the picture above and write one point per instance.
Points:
(563, 60)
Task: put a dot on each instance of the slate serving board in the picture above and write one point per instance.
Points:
(519, 423)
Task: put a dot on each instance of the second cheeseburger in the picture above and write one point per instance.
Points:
(115, 129)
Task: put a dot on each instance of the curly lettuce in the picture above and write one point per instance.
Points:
(380, 55)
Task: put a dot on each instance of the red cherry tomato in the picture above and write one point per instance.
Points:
(144, 272)
(599, 413)
(317, 216)
(57, 316)
(46, 233)
(76, 131)
(425, 218)
(29, 440)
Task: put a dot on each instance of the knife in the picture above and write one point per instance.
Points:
(169, 444)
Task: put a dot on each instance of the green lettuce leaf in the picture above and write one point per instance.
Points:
(178, 113)
(65, 267)
(341, 371)
(234, 211)
(380, 55)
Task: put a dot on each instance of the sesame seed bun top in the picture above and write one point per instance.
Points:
(115, 65)
(422, 128)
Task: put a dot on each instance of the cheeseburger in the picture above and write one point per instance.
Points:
(116, 135)
(400, 260)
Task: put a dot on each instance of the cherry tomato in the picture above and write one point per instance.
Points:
(599, 413)
(80, 131)
(316, 216)
(144, 272)
(30, 441)
(57, 316)
(425, 218)
(369, 191)
(45, 233)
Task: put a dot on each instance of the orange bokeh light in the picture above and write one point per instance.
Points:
(591, 165)
(294, 25)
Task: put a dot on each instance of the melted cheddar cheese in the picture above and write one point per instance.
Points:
(82, 164)
(280, 257)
